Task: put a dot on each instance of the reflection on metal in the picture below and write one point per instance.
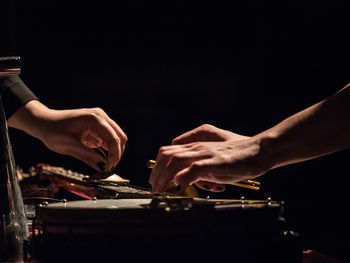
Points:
(13, 226)
(10, 66)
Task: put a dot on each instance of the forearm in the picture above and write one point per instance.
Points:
(29, 117)
(14, 94)
(321, 129)
(73, 132)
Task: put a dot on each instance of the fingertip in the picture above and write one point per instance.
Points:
(219, 188)
(150, 180)
(177, 179)
(181, 180)
(101, 166)
(113, 158)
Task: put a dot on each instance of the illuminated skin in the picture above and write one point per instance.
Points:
(213, 157)
(73, 132)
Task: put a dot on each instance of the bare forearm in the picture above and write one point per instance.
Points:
(321, 129)
(28, 118)
(73, 132)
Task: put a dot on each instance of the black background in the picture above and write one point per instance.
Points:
(161, 68)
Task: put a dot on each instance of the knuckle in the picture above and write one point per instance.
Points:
(112, 142)
(124, 138)
(93, 117)
(197, 145)
(98, 111)
(166, 154)
(205, 126)
(162, 150)
(117, 139)
(163, 153)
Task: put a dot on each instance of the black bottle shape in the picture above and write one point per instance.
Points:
(14, 232)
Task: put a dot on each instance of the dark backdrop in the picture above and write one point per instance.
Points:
(160, 68)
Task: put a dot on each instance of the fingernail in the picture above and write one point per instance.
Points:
(206, 186)
(101, 166)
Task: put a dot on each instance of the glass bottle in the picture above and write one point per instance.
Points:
(13, 226)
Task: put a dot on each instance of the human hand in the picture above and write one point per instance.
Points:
(203, 133)
(227, 158)
(73, 132)
(207, 133)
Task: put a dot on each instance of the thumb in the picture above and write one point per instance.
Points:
(88, 156)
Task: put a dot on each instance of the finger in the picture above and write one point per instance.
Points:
(101, 151)
(87, 155)
(171, 160)
(192, 174)
(193, 148)
(89, 144)
(110, 139)
(91, 140)
(201, 133)
(116, 128)
(178, 162)
(122, 136)
(161, 174)
(160, 163)
(185, 138)
(156, 173)
(210, 186)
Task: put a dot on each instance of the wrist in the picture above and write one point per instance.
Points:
(267, 157)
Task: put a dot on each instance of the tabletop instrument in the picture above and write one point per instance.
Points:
(45, 181)
(115, 220)
(163, 228)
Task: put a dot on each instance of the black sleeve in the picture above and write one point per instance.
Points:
(14, 94)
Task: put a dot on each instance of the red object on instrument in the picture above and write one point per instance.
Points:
(81, 195)
(312, 256)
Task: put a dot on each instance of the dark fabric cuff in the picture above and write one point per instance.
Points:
(14, 94)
